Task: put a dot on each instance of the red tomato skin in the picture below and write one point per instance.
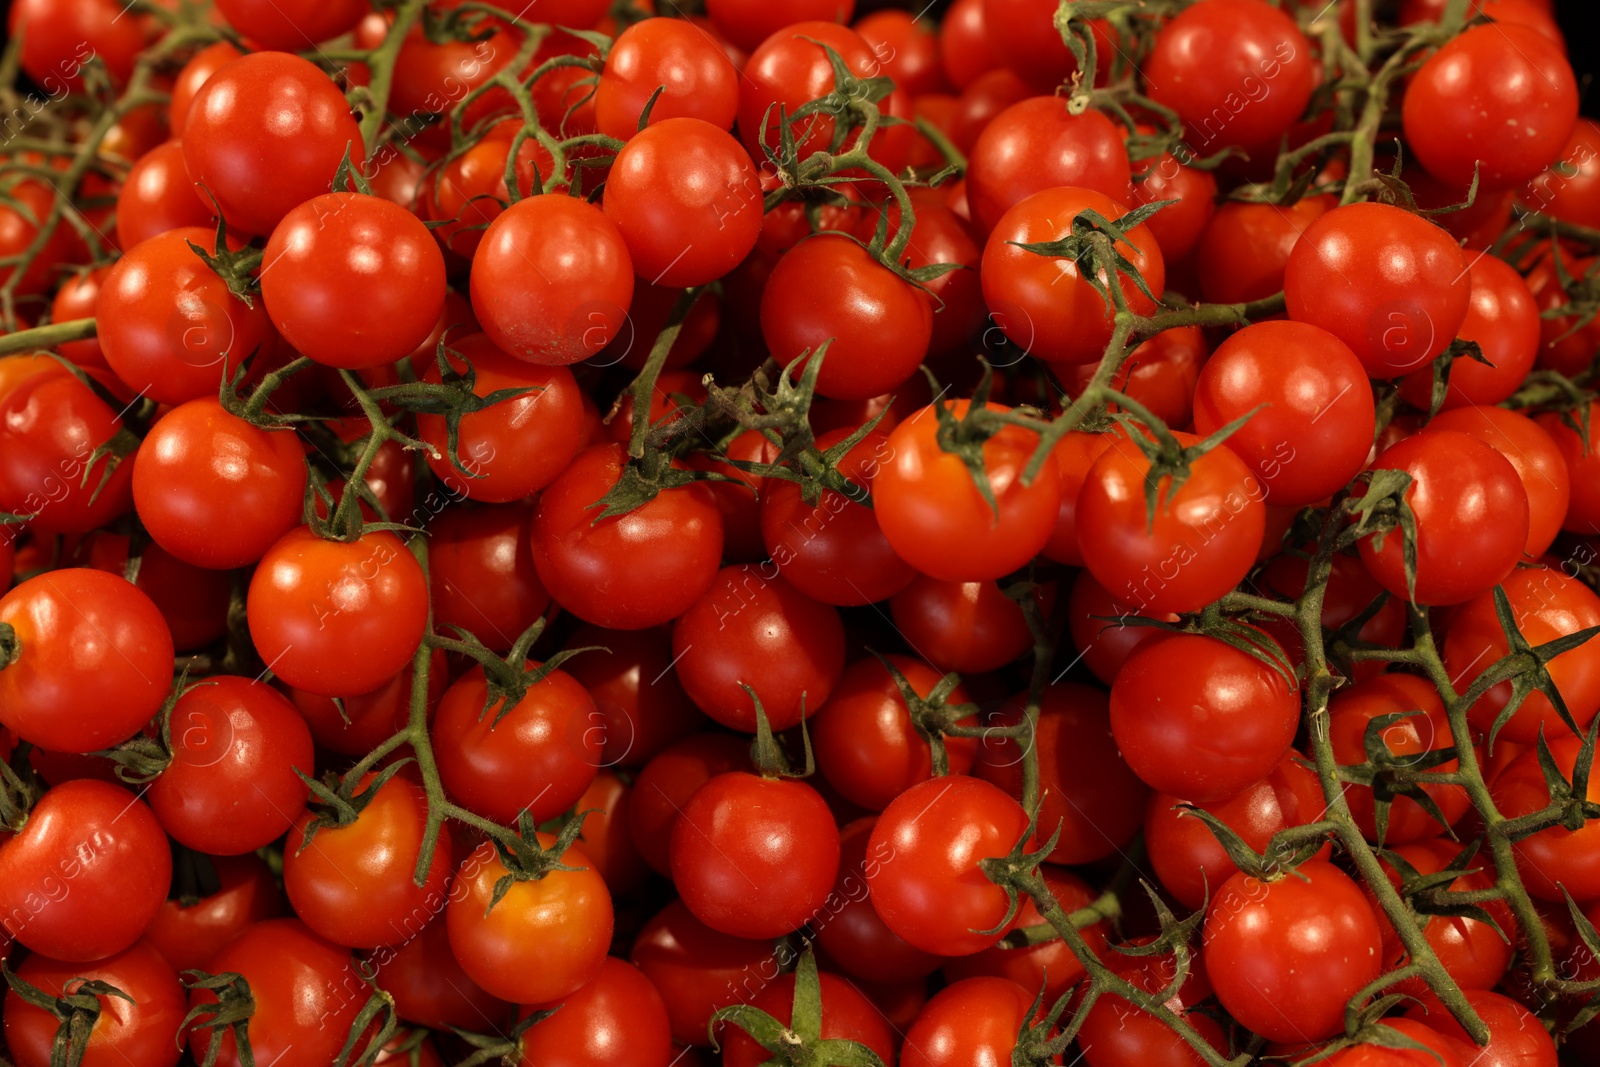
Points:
(1105, 645)
(699, 80)
(968, 1022)
(291, 25)
(1567, 189)
(189, 936)
(747, 25)
(641, 704)
(62, 38)
(697, 970)
(192, 76)
(1284, 956)
(102, 843)
(157, 196)
(1503, 318)
(369, 718)
(1177, 227)
(933, 894)
(740, 829)
(94, 662)
(308, 633)
(667, 782)
(215, 491)
(1472, 952)
(481, 574)
(1116, 1033)
(964, 43)
(1516, 1037)
(575, 300)
(1437, 1051)
(140, 1033)
(1050, 966)
(1471, 513)
(1583, 470)
(850, 930)
(847, 1015)
(50, 426)
(1037, 144)
(968, 627)
(1245, 249)
(260, 107)
(671, 547)
(618, 1018)
(788, 68)
(1536, 458)
(428, 985)
(231, 787)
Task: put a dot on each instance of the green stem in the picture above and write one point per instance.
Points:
(40, 338)
(381, 62)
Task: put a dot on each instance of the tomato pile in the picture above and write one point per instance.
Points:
(773, 533)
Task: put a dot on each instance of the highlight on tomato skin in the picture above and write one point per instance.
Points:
(806, 533)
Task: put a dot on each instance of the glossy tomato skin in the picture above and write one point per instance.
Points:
(214, 490)
(93, 660)
(740, 830)
(350, 638)
(697, 970)
(1184, 695)
(372, 717)
(964, 48)
(188, 935)
(544, 940)
(481, 574)
(934, 894)
(936, 519)
(1315, 431)
(1238, 72)
(157, 196)
(291, 25)
(789, 68)
(1503, 318)
(264, 134)
(969, 627)
(1186, 855)
(1516, 1037)
(1104, 629)
(139, 1033)
(746, 24)
(642, 705)
(830, 287)
(1458, 107)
(1050, 966)
(1058, 323)
(353, 884)
(1583, 470)
(1284, 956)
(1203, 539)
(667, 782)
(753, 628)
(1037, 144)
(307, 993)
(1471, 514)
(699, 80)
(1350, 713)
(1536, 458)
(540, 756)
(847, 1015)
(1437, 1049)
(191, 76)
(850, 930)
(231, 787)
(62, 37)
(1567, 189)
(686, 199)
(352, 280)
(50, 426)
(428, 985)
(1178, 226)
(607, 839)
(575, 298)
(617, 1018)
(1472, 952)
(517, 446)
(1075, 453)
(1245, 248)
(628, 572)
(968, 1022)
(1116, 1033)
(1394, 321)
(102, 843)
(866, 745)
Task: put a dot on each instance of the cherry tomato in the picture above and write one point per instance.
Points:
(968, 627)
(428, 985)
(1038, 144)
(698, 80)
(1116, 1033)
(968, 1022)
(1245, 249)
(1532, 453)
(667, 782)
(1503, 318)
(847, 1015)
(850, 931)
(1516, 1037)
(138, 1030)
(1583, 470)
(51, 427)
(1472, 952)
(291, 25)
(618, 1018)
(1567, 188)
(368, 719)
(1436, 1051)
(481, 573)
(964, 48)
(189, 930)
(157, 196)
(191, 77)
(642, 705)
(697, 970)
(1050, 966)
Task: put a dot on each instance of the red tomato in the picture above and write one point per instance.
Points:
(618, 1018)
(1245, 249)
(1568, 189)
(934, 894)
(1116, 1033)
(1178, 226)
(641, 704)
(88, 660)
(1471, 515)
(138, 1030)
(1023, 35)
(1503, 318)
(989, 94)
(1390, 284)
(1472, 952)
(964, 43)
(291, 25)
(1050, 965)
(428, 985)
(847, 1015)
(481, 574)
(337, 617)
(607, 838)
(970, 627)
(698, 971)
(158, 196)
(1516, 1037)
(189, 931)
(1583, 470)
(1315, 431)
(1285, 955)
(747, 24)
(1095, 621)
(1532, 453)
(264, 134)
(667, 782)
(370, 718)
(191, 77)
(970, 1022)
(850, 931)
(1437, 1050)
(1039, 144)
(698, 80)
(934, 517)
(19, 228)
(907, 47)
(85, 876)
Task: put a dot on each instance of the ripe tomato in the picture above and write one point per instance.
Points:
(1547, 604)
(157, 196)
(970, 627)
(1184, 694)
(1095, 621)
(1186, 855)
(1038, 144)
(192, 601)
(790, 69)
(337, 617)
(1459, 107)
(515, 447)
(481, 575)
(686, 199)
(907, 46)
(829, 289)
(934, 894)
(1567, 189)
(352, 280)
(642, 705)
(1237, 72)
(428, 985)
(1315, 431)
(698, 80)
(231, 787)
(540, 757)
(191, 77)
(698, 971)
(1436, 1051)
(1583, 471)
(754, 857)
(86, 874)
(1178, 227)
(1050, 965)
(964, 50)
(307, 993)
(974, 1021)
(214, 490)
(264, 134)
(370, 718)
(1245, 249)
(627, 572)
(850, 931)
(1472, 952)
(1471, 515)
(88, 660)
(1116, 1033)
(617, 1018)
(935, 518)
(188, 931)
(51, 425)
(1532, 453)
(667, 782)
(290, 25)
(137, 1031)
(19, 228)
(847, 1015)
(1285, 955)
(1056, 323)
(1202, 540)
(1568, 341)
(1349, 715)
(1390, 284)
(353, 884)
(1516, 1037)
(543, 940)
(551, 280)
(1503, 318)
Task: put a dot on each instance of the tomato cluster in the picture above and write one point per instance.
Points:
(588, 535)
